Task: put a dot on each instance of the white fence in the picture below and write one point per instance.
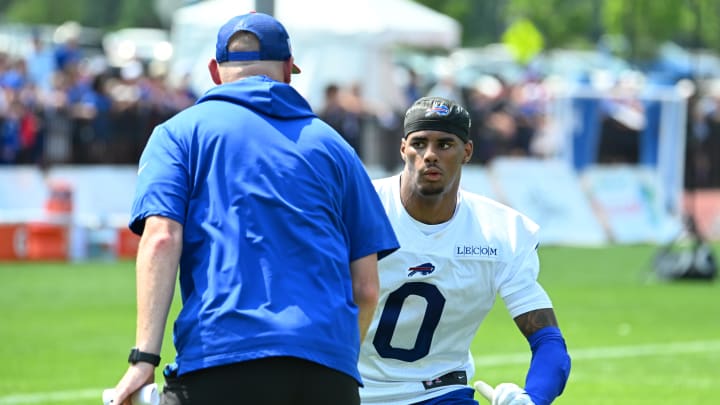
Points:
(598, 206)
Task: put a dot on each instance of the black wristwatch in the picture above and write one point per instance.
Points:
(137, 356)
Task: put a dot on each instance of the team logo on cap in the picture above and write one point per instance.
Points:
(441, 110)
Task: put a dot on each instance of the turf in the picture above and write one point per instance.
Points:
(66, 330)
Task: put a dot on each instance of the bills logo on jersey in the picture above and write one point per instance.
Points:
(424, 269)
(441, 110)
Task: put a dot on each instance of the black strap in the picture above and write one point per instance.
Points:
(453, 378)
(137, 356)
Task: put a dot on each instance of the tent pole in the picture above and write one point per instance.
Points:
(265, 6)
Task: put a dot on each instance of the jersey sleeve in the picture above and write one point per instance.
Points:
(163, 181)
(518, 283)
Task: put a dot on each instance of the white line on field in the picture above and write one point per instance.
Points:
(607, 352)
(56, 396)
(593, 353)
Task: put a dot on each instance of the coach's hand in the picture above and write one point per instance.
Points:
(135, 377)
(503, 394)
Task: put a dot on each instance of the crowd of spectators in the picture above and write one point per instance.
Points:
(517, 119)
(702, 151)
(59, 106)
(506, 118)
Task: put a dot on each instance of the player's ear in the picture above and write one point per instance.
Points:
(468, 151)
(214, 69)
(287, 70)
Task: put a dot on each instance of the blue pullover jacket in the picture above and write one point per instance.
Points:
(274, 206)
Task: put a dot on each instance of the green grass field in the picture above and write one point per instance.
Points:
(65, 331)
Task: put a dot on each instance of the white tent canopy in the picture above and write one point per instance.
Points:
(334, 41)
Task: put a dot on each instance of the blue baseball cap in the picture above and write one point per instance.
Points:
(274, 39)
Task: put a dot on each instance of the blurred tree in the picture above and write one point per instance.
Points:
(137, 13)
(483, 22)
(4, 5)
(44, 11)
(641, 24)
(561, 22)
(644, 24)
(703, 23)
(105, 14)
(647, 23)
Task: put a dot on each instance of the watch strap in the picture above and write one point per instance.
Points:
(137, 356)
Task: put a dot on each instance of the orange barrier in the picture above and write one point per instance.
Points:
(12, 242)
(127, 244)
(47, 241)
(33, 241)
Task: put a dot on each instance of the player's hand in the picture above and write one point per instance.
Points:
(503, 394)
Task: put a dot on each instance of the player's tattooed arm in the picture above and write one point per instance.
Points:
(531, 322)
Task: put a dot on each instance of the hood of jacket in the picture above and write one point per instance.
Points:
(263, 95)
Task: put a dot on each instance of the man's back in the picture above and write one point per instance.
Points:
(276, 231)
(272, 217)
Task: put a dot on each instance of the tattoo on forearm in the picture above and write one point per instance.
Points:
(531, 322)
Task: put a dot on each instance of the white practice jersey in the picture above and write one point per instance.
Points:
(437, 289)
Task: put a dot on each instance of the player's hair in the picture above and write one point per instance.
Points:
(243, 41)
(246, 41)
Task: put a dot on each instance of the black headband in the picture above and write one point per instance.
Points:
(438, 114)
